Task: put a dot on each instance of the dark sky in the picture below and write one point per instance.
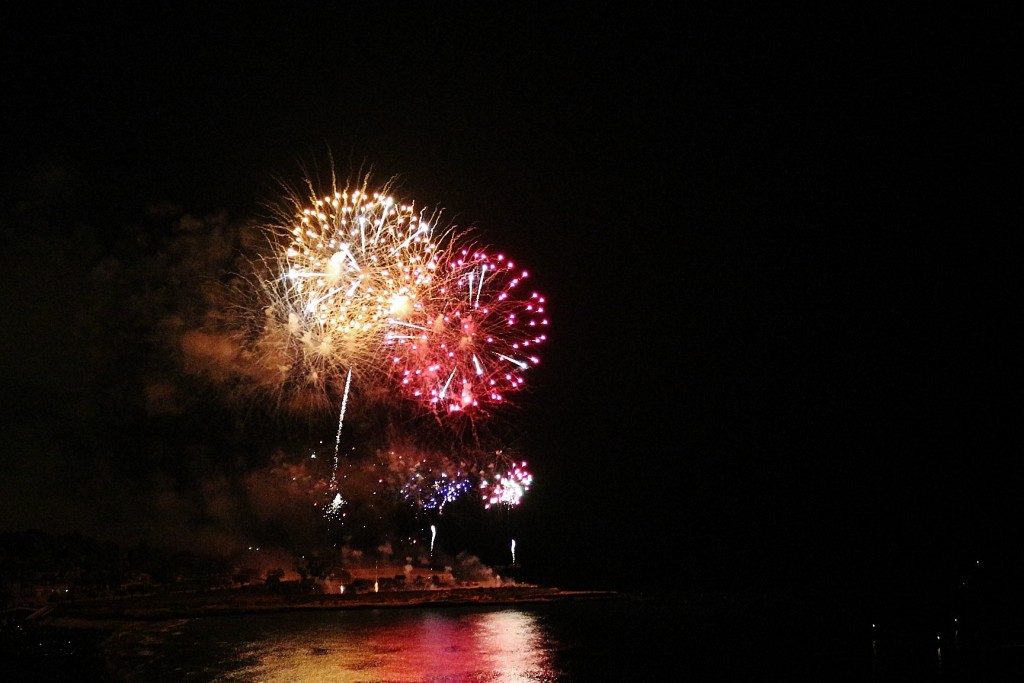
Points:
(776, 251)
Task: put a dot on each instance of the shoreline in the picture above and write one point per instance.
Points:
(111, 613)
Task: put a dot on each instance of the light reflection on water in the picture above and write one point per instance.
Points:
(499, 646)
(451, 645)
(636, 639)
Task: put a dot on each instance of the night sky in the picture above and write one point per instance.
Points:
(776, 251)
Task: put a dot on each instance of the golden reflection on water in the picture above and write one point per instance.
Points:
(506, 646)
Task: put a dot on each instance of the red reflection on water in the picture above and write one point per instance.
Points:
(498, 646)
(505, 646)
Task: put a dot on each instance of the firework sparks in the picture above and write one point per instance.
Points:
(333, 509)
(349, 262)
(431, 483)
(471, 336)
(506, 487)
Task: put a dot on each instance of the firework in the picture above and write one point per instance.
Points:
(333, 509)
(430, 482)
(333, 272)
(470, 336)
(348, 263)
(505, 485)
(434, 493)
(359, 290)
(301, 366)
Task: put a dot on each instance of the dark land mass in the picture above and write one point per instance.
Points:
(281, 599)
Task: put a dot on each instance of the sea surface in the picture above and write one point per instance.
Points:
(626, 638)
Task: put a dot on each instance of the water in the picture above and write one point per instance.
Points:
(700, 637)
(604, 639)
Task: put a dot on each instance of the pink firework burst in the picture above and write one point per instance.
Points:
(468, 341)
(505, 485)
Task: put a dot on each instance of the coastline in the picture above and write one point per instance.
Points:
(112, 613)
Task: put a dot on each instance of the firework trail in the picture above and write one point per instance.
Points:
(337, 501)
(341, 418)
